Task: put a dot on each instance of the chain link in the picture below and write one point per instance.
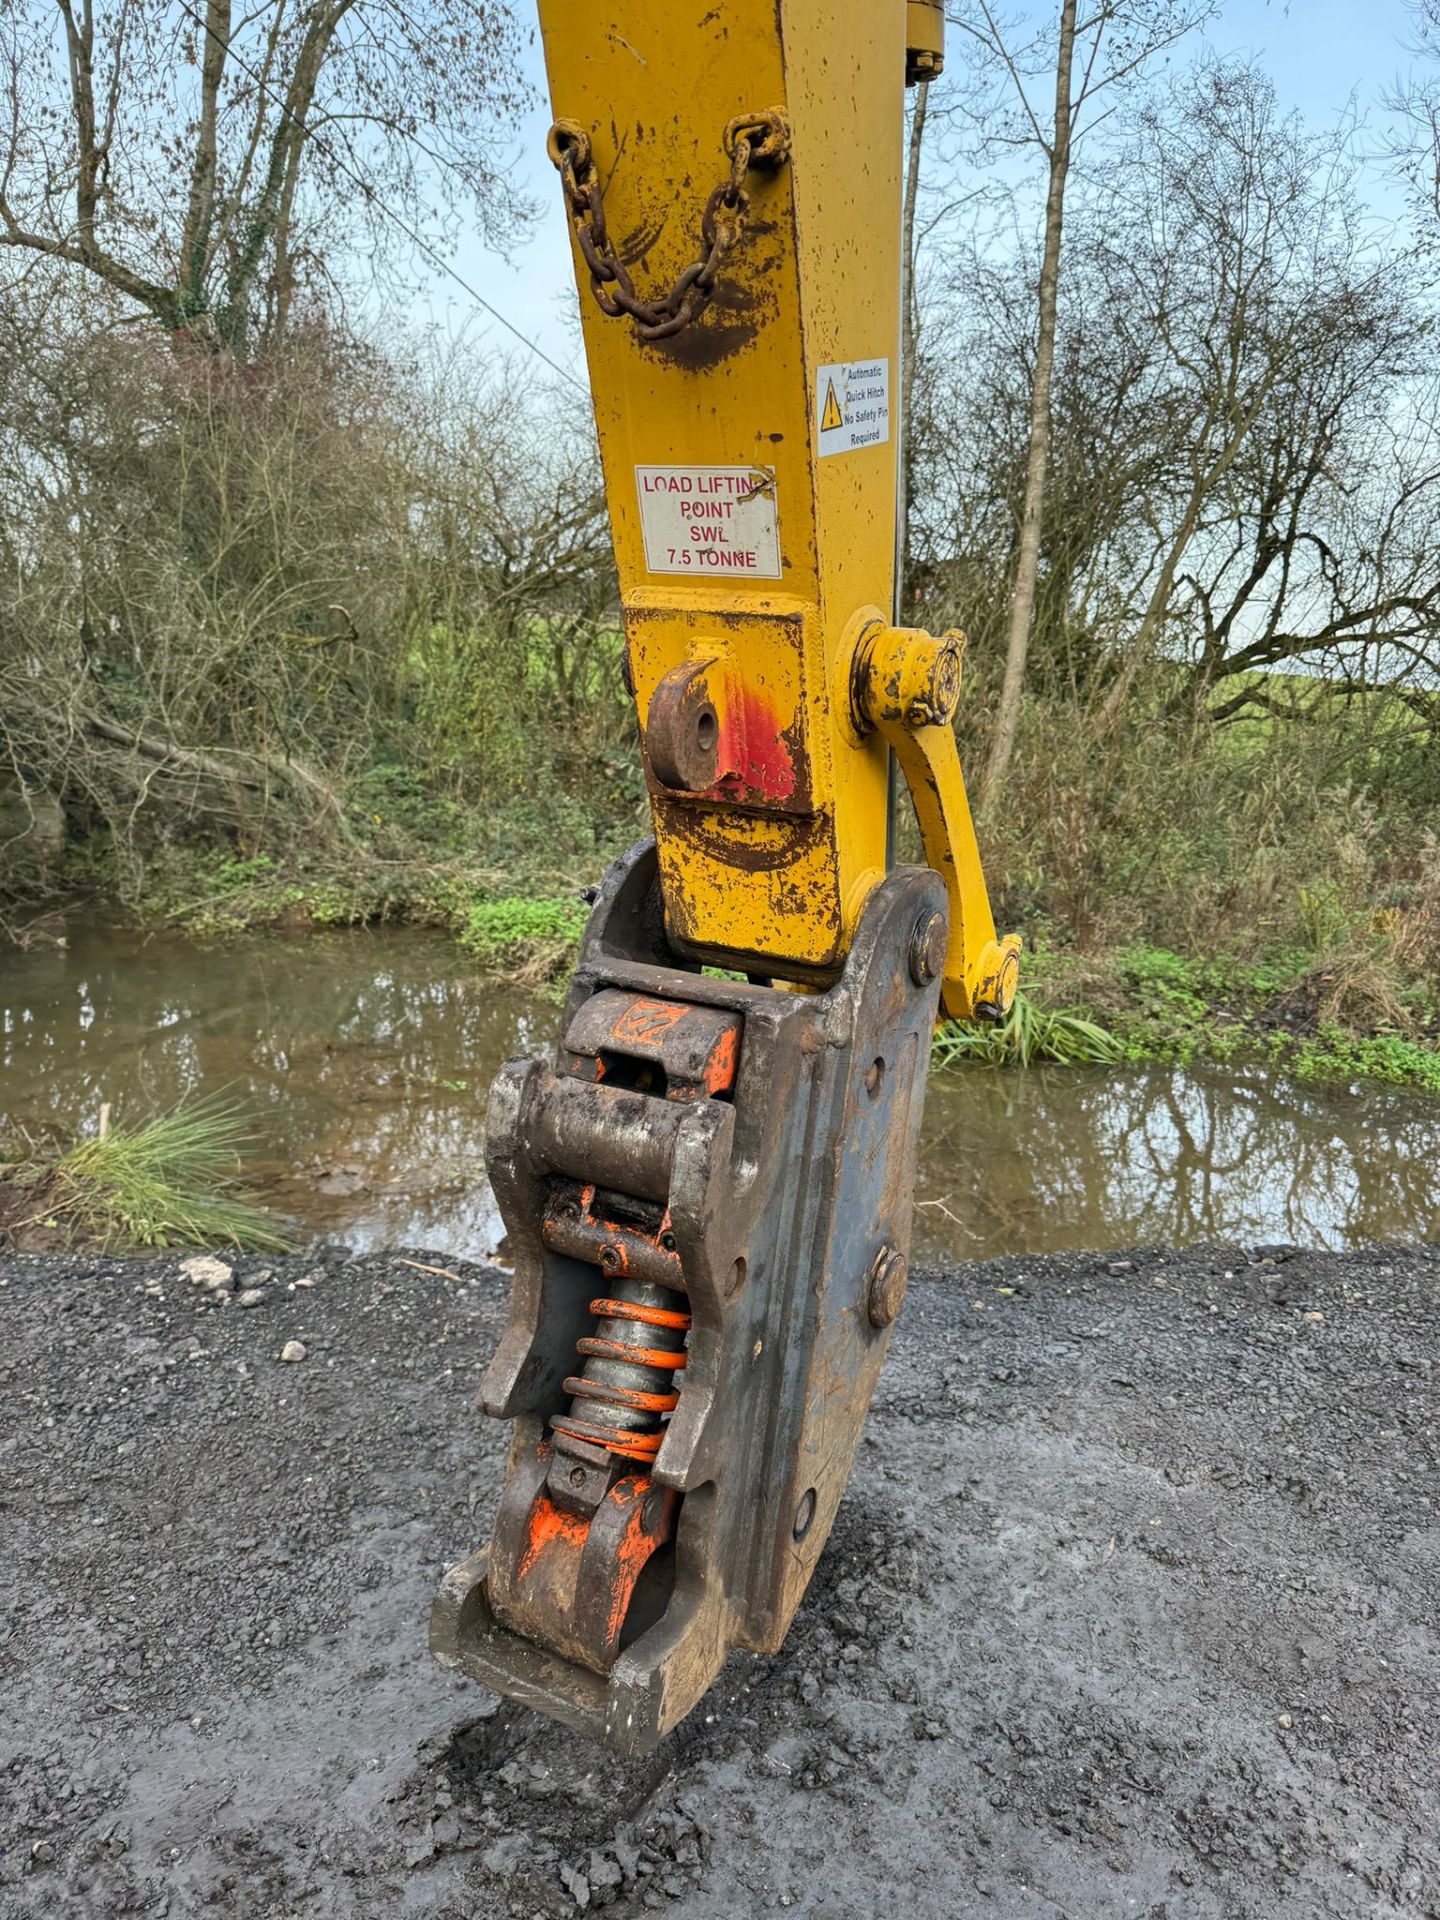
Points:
(751, 140)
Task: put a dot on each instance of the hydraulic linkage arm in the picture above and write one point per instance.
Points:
(708, 1191)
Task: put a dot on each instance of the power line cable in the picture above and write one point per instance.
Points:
(374, 200)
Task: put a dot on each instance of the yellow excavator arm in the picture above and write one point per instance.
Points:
(709, 1188)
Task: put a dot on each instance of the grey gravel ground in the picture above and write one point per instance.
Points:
(1131, 1610)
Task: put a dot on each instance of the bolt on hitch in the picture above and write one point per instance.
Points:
(708, 1195)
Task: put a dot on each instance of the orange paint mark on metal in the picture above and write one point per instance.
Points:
(609, 1546)
(659, 1357)
(752, 750)
(626, 1446)
(636, 1545)
(719, 1074)
(549, 1523)
(645, 1020)
(622, 1396)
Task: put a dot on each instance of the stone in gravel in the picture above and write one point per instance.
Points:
(603, 1872)
(575, 1884)
(503, 1856)
(627, 1856)
(293, 1350)
(251, 1297)
(204, 1270)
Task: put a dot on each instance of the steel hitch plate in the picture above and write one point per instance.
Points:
(708, 1196)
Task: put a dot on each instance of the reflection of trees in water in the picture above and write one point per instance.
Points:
(357, 1051)
(1159, 1155)
(361, 1040)
(364, 1049)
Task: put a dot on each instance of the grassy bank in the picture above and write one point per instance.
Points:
(523, 924)
(172, 1180)
(1326, 1017)
(1185, 892)
(1352, 1001)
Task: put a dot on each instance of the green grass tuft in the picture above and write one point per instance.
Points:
(1028, 1036)
(167, 1182)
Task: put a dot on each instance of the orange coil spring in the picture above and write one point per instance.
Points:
(635, 1408)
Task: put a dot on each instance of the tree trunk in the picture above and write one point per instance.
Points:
(1037, 464)
(277, 194)
(195, 240)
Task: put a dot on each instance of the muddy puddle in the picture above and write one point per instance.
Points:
(365, 1058)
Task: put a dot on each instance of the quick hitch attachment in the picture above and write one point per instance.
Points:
(708, 1194)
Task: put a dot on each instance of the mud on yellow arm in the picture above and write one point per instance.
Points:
(906, 685)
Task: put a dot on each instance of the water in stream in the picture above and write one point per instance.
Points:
(365, 1058)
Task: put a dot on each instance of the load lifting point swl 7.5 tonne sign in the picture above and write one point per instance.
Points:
(709, 520)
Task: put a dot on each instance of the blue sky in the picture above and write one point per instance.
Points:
(1322, 55)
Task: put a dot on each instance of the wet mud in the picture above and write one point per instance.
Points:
(1131, 1609)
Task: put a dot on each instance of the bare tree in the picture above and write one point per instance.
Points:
(1415, 141)
(1244, 472)
(202, 162)
(227, 594)
(1302, 514)
(909, 323)
(1088, 53)
(1056, 150)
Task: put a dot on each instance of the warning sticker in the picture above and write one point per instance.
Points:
(709, 520)
(852, 404)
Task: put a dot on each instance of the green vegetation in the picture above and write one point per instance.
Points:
(1350, 1010)
(532, 941)
(1334, 1054)
(530, 938)
(1029, 1035)
(169, 1181)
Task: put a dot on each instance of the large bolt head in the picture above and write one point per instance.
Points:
(945, 694)
(889, 1277)
(927, 948)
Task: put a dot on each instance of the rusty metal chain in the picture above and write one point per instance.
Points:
(751, 140)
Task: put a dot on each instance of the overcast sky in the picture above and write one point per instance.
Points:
(1322, 54)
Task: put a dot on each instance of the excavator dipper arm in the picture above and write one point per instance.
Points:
(708, 1190)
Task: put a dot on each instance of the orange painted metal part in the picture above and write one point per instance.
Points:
(626, 1446)
(645, 1020)
(551, 1528)
(719, 1073)
(628, 1397)
(660, 1357)
(634, 1518)
(696, 1049)
(647, 1316)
